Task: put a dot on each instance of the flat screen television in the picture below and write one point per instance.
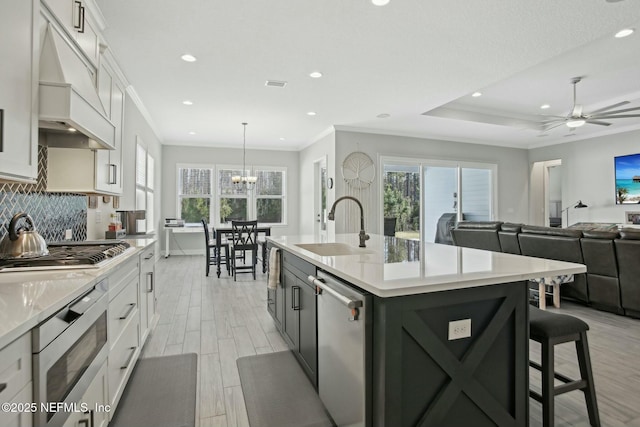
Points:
(627, 171)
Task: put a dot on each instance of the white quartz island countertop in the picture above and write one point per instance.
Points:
(390, 267)
(28, 298)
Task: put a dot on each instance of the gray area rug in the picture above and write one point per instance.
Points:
(277, 393)
(161, 392)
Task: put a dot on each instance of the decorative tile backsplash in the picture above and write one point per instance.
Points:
(52, 213)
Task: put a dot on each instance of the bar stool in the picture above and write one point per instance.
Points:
(550, 329)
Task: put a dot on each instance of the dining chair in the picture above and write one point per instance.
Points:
(212, 255)
(244, 237)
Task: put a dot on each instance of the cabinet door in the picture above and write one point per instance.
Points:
(291, 314)
(147, 292)
(18, 91)
(307, 330)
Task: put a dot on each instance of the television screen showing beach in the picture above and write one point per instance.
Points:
(627, 179)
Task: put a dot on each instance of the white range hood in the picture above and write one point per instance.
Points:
(69, 99)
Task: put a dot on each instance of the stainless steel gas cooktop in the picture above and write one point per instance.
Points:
(65, 255)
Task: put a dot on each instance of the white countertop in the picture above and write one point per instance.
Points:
(439, 268)
(28, 298)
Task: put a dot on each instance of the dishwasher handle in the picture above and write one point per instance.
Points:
(322, 287)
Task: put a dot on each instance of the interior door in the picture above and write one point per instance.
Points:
(320, 198)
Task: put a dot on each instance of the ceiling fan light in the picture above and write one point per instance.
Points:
(576, 123)
(624, 33)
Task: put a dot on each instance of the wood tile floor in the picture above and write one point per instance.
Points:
(222, 320)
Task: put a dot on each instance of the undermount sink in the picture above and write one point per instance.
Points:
(333, 249)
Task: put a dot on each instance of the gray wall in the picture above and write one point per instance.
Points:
(174, 154)
(323, 147)
(588, 175)
(513, 168)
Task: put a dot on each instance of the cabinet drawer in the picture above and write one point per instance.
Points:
(294, 263)
(19, 418)
(15, 367)
(122, 359)
(122, 309)
(122, 276)
(148, 255)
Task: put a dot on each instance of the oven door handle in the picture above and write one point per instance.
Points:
(83, 304)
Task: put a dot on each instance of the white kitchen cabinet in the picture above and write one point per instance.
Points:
(19, 91)
(75, 18)
(123, 328)
(95, 399)
(109, 162)
(15, 381)
(147, 291)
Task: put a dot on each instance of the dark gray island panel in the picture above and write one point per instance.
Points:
(420, 378)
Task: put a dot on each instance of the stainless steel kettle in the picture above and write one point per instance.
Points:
(22, 242)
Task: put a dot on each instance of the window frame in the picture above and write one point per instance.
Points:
(179, 196)
(145, 188)
(216, 196)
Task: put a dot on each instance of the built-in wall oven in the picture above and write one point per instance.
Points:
(68, 350)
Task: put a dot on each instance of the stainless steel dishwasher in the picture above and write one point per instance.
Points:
(344, 349)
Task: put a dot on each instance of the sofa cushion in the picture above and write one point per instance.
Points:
(511, 227)
(477, 235)
(480, 225)
(592, 234)
(632, 234)
(551, 231)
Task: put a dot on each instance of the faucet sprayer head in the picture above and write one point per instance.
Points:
(331, 216)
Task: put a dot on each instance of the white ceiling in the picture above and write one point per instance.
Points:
(404, 59)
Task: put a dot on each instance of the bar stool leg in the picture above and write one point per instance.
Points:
(584, 361)
(548, 392)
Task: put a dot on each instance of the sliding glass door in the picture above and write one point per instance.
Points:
(427, 197)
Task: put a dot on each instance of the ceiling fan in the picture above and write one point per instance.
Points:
(578, 117)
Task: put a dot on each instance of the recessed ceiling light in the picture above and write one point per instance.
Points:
(192, 133)
(544, 106)
(383, 115)
(281, 139)
(188, 58)
(187, 102)
(476, 94)
(624, 33)
(72, 130)
(380, 2)
(315, 75)
(311, 113)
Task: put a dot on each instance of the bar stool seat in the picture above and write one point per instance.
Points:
(550, 329)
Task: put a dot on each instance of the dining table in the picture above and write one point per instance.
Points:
(228, 232)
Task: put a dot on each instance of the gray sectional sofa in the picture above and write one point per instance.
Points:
(612, 281)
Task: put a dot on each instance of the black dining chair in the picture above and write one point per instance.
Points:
(244, 237)
(212, 255)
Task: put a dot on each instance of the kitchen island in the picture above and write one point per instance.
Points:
(445, 339)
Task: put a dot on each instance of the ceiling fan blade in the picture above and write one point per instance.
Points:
(546, 128)
(624, 116)
(619, 104)
(598, 122)
(607, 113)
(577, 111)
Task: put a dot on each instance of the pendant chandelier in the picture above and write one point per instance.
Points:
(244, 181)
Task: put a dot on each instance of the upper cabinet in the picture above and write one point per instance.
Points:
(109, 162)
(19, 91)
(75, 18)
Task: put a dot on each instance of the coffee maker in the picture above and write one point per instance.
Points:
(133, 221)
